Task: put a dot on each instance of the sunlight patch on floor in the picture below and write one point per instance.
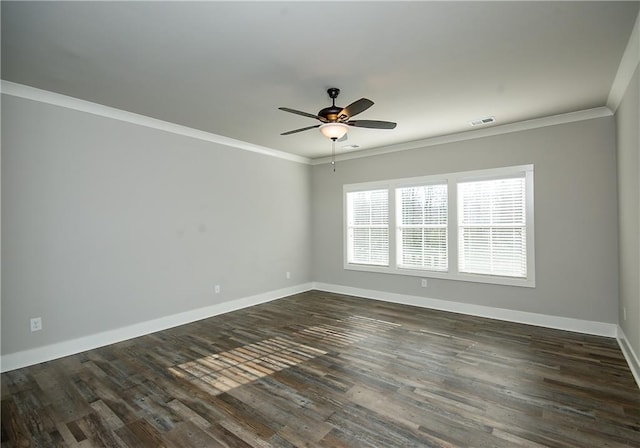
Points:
(221, 372)
(226, 370)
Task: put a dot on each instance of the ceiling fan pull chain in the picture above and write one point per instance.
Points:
(333, 155)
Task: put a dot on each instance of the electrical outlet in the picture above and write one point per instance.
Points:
(624, 313)
(217, 289)
(288, 275)
(36, 324)
(424, 283)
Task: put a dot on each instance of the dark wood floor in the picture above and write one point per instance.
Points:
(324, 370)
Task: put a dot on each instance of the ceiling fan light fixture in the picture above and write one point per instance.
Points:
(334, 131)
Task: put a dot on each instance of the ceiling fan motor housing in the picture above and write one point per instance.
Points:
(331, 113)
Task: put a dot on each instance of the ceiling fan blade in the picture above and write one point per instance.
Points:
(300, 130)
(355, 108)
(373, 124)
(304, 114)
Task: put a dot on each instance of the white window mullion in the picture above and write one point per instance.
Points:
(452, 234)
(393, 231)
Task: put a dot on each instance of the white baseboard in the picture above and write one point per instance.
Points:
(26, 358)
(632, 358)
(523, 317)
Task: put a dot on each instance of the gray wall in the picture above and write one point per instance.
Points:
(628, 133)
(107, 224)
(575, 218)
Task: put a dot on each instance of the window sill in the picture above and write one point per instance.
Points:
(464, 277)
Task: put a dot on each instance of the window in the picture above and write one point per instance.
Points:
(368, 227)
(471, 226)
(492, 227)
(422, 227)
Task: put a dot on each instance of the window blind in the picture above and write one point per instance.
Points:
(492, 227)
(422, 227)
(368, 227)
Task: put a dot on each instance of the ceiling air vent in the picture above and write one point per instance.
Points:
(483, 121)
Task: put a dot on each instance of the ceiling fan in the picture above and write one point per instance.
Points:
(335, 120)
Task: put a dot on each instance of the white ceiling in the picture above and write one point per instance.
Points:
(226, 67)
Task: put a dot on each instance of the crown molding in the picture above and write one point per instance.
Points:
(628, 64)
(56, 99)
(553, 120)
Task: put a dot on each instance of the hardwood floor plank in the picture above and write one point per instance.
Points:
(188, 434)
(144, 435)
(326, 370)
(233, 434)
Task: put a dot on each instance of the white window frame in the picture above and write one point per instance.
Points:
(452, 180)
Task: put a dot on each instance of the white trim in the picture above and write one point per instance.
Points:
(628, 63)
(571, 117)
(56, 99)
(629, 354)
(523, 317)
(26, 358)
